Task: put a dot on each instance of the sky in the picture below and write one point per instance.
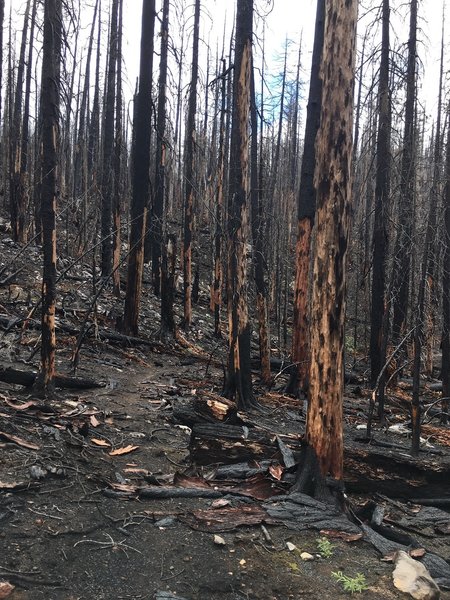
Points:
(284, 19)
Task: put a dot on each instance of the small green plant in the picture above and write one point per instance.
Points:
(353, 585)
(325, 547)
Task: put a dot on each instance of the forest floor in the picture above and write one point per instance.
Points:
(73, 524)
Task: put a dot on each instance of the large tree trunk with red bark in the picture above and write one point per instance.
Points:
(333, 180)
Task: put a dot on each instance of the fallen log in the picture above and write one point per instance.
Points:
(27, 379)
(227, 444)
(208, 408)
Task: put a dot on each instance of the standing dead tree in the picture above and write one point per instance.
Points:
(140, 171)
(238, 383)
(50, 100)
(333, 180)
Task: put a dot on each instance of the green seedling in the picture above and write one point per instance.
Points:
(353, 585)
(325, 547)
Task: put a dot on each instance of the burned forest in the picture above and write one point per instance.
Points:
(224, 299)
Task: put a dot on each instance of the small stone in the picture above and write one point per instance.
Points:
(306, 556)
(219, 540)
(291, 547)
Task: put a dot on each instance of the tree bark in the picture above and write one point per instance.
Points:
(140, 171)
(107, 186)
(402, 253)
(306, 209)
(239, 380)
(189, 170)
(333, 179)
(446, 289)
(50, 100)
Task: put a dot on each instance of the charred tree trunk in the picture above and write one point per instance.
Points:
(306, 209)
(140, 171)
(168, 261)
(50, 100)
(118, 147)
(333, 180)
(446, 289)
(17, 206)
(379, 311)
(216, 291)
(402, 264)
(189, 170)
(157, 225)
(238, 384)
(257, 224)
(107, 186)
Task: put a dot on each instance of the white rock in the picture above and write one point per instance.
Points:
(306, 556)
(412, 577)
(290, 546)
(219, 540)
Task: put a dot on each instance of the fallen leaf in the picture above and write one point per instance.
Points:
(124, 450)
(94, 421)
(276, 471)
(19, 441)
(102, 443)
(6, 589)
(342, 535)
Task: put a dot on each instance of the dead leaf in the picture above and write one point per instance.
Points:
(124, 487)
(341, 535)
(6, 589)
(102, 443)
(124, 450)
(94, 421)
(19, 441)
(276, 471)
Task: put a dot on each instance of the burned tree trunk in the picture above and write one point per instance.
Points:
(50, 96)
(402, 253)
(239, 380)
(380, 238)
(446, 290)
(108, 148)
(189, 171)
(118, 152)
(257, 223)
(333, 176)
(140, 171)
(160, 175)
(305, 217)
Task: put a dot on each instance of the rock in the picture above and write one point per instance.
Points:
(412, 577)
(291, 547)
(306, 556)
(219, 540)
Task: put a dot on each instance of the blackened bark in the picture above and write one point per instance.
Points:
(140, 171)
(333, 181)
(446, 289)
(17, 207)
(402, 253)
(306, 209)
(238, 384)
(118, 150)
(380, 236)
(50, 100)
(216, 289)
(257, 225)
(157, 225)
(107, 186)
(189, 170)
